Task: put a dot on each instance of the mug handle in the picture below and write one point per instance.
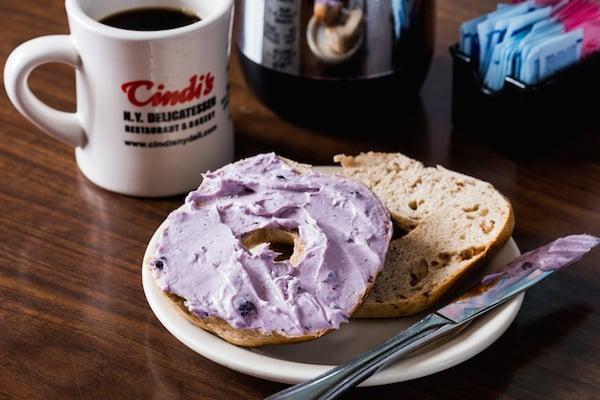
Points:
(62, 125)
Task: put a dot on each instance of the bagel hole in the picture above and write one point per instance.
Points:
(471, 252)
(418, 272)
(397, 230)
(487, 226)
(416, 183)
(285, 249)
(413, 205)
(286, 243)
(472, 208)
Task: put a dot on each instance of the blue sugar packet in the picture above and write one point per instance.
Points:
(531, 40)
(469, 43)
(507, 27)
(551, 55)
(556, 54)
(485, 29)
(400, 14)
(543, 30)
(502, 61)
(507, 35)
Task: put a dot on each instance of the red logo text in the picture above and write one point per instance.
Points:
(139, 93)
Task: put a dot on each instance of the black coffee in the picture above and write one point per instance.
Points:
(150, 19)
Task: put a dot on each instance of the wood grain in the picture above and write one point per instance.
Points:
(74, 322)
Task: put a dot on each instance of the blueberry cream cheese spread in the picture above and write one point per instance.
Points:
(221, 251)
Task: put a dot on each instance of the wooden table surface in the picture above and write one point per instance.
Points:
(74, 322)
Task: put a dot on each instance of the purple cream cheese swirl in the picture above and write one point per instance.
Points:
(344, 229)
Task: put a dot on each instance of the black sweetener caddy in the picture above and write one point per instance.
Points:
(565, 103)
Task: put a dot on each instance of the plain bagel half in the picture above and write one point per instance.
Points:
(448, 224)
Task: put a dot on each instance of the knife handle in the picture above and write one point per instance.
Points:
(333, 383)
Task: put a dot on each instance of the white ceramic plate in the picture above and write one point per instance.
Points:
(299, 362)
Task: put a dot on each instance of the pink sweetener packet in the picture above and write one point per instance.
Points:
(591, 37)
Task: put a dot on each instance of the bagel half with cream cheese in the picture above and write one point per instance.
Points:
(268, 251)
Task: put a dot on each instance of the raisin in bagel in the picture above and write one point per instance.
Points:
(222, 259)
(452, 223)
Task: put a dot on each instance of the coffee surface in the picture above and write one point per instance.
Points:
(151, 19)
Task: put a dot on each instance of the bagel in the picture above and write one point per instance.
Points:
(268, 251)
(446, 225)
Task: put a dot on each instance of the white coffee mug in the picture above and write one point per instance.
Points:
(152, 106)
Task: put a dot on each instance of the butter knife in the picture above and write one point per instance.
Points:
(493, 290)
